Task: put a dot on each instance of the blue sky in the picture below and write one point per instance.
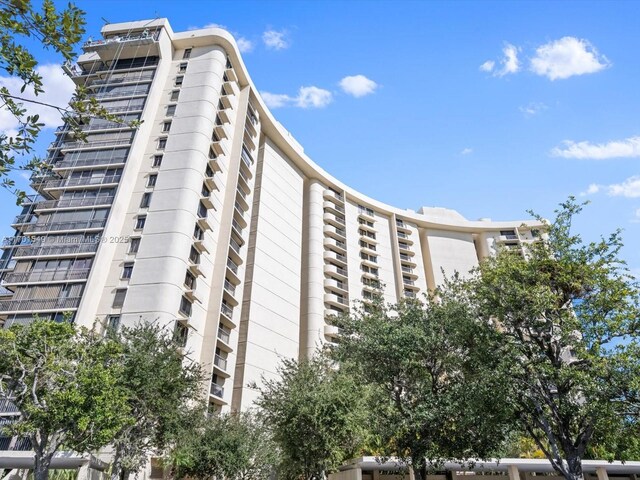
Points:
(427, 118)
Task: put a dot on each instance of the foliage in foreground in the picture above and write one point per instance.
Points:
(568, 318)
(66, 386)
(318, 416)
(234, 447)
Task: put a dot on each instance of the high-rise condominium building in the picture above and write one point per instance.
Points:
(209, 217)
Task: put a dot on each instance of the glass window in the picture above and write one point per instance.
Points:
(113, 322)
(157, 160)
(179, 80)
(118, 299)
(162, 143)
(182, 67)
(171, 110)
(140, 221)
(187, 53)
(174, 95)
(166, 126)
(127, 270)
(146, 200)
(134, 245)
(151, 180)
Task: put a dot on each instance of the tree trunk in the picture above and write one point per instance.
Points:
(42, 463)
(420, 472)
(574, 469)
(116, 466)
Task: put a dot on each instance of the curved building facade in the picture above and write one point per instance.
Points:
(210, 219)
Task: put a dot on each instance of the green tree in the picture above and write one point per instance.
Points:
(431, 370)
(318, 416)
(65, 384)
(567, 315)
(231, 446)
(54, 29)
(163, 394)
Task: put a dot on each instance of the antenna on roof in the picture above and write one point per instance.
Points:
(105, 20)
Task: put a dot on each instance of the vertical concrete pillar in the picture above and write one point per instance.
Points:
(602, 473)
(312, 312)
(83, 472)
(514, 473)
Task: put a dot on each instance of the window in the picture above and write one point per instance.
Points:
(365, 210)
(365, 233)
(185, 306)
(212, 154)
(198, 233)
(194, 256)
(365, 222)
(157, 160)
(127, 270)
(166, 126)
(179, 80)
(368, 245)
(134, 245)
(205, 191)
(118, 299)
(162, 143)
(174, 95)
(146, 200)
(151, 180)
(180, 334)
(208, 172)
(190, 281)
(187, 53)
(202, 211)
(403, 245)
(113, 323)
(140, 221)
(182, 67)
(171, 110)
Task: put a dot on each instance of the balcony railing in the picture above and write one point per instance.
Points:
(46, 275)
(75, 225)
(75, 202)
(152, 37)
(232, 266)
(93, 144)
(234, 246)
(89, 162)
(140, 77)
(220, 362)
(82, 181)
(237, 226)
(43, 250)
(229, 287)
(226, 310)
(217, 390)
(224, 335)
(15, 444)
(39, 304)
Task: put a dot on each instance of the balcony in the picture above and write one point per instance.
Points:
(203, 221)
(87, 163)
(35, 276)
(225, 337)
(404, 249)
(335, 232)
(407, 259)
(248, 140)
(236, 227)
(221, 131)
(230, 291)
(241, 198)
(332, 207)
(247, 160)
(335, 271)
(233, 268)
(217, 390)
(230, 75)
(239, 214)
(408, 271)
(250, 129)
(404, 236)
(334, 257)
(39, 305)
(226, 312)
(334, 284)
(333, 219)
(333, 195)
(331, 331)
(65, 226)
(82, 182)
(402, 226)
(367, 214)
(221, 363)
(216, 146)
(125, 46)
(507, 238)
(91, 145)
(74, 203)
(56, 250)
(337, 300)
(335, 244)
(234, 248)
(229, 89)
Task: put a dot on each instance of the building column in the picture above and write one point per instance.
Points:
(514, 473)
(602, 473)
(312, 312)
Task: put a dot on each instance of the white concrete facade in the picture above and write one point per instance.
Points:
(217, 224)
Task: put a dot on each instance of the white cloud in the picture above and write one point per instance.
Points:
(275, 40)
(209, 25)
(308, 97)
(58, 89)
(627, 148)
(567, 57)
(532, 109)
(636, 219)
(630, 188)
(313, 97)
(591, 189)
(244, 44)
(358, 85)
(509, 63)
(488, 66)
(466, 151)
(276, 100)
